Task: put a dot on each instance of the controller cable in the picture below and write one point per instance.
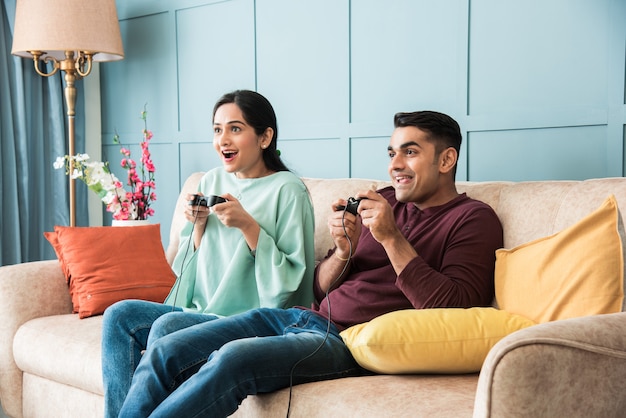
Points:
(183, 267)
(332, 283)
(319, 347)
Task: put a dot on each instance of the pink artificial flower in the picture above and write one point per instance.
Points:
(136, 204)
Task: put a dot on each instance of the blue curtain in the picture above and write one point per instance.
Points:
(33, 132)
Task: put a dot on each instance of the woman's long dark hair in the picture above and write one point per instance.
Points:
(258, 113)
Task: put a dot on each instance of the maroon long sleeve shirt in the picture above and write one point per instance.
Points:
(455, 243)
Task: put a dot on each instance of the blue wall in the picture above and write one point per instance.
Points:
(538, 86)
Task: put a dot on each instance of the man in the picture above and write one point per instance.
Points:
(417, 244)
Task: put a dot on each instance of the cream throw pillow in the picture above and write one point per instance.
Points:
(445, 340)
(576, 272)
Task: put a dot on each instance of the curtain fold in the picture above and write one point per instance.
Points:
(33, 132)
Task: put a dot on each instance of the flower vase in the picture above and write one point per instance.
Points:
(130, 222)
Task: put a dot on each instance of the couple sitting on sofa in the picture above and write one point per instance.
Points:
(238, 322)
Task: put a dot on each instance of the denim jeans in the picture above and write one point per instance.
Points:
(208, 369)
(128, 328)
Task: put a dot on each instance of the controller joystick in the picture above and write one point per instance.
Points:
(351, 206)
(207, 201)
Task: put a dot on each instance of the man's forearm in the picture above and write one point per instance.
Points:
(330, 272)
(399, 251)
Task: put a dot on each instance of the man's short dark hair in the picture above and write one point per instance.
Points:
(442, 129)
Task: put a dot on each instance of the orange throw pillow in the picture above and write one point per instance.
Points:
(106, 264)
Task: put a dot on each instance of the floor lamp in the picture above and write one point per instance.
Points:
(72, 34)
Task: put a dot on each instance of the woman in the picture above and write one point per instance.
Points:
(253, 250)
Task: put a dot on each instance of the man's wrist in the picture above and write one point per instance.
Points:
(341, 258)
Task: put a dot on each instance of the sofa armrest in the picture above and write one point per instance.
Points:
(27, 291)
(573, 367)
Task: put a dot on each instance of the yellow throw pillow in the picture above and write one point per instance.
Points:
(446, 340)
(576, 272)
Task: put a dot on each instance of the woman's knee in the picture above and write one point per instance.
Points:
(131, 316)
(164, 325)
(116, 314)
(175, 321)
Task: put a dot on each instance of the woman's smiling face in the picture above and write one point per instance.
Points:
(237, 144)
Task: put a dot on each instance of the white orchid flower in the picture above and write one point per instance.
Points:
(59, 163)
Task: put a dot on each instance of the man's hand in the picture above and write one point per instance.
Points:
(377, 216)
(345, 228)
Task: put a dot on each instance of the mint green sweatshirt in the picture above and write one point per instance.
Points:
(222, 276)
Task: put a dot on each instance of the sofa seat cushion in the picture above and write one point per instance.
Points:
(370, 396)
(62, 348)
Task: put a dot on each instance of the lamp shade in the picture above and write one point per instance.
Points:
(56, 26)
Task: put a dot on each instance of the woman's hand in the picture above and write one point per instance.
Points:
(233, 215)
(198, 216)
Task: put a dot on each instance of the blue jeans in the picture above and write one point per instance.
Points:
(208, 369)
(128, 328)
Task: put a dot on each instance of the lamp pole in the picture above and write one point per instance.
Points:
(90, 32)
(70, 100)
(72, 67)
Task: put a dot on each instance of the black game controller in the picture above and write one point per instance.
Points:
(207, 201)
(352, 206)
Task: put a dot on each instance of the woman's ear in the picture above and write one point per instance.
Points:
(266, 137)
(448, 159)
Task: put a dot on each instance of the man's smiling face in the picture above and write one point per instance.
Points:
(414, 166)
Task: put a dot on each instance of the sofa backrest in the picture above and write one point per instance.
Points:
(535, 209)
(527, 210)
(323, 193)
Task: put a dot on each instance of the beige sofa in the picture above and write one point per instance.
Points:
(50, 359)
